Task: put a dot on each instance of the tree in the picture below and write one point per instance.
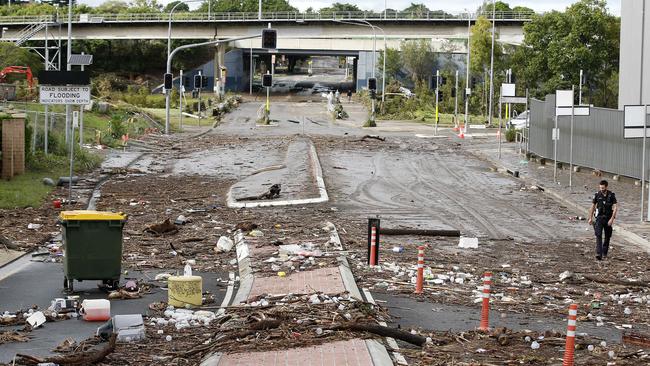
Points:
(558, 45)
(180, 8)
(418, 59)
(393, 63)
(145, 6)
(249, 6)
(418, 10)
(13, 55)
(523, 10)
(112, 7)
(487, 7)
(339, 7)
(481, 46)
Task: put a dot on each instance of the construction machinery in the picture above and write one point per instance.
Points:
(17, 70)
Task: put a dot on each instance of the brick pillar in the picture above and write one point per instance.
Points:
(13, 147)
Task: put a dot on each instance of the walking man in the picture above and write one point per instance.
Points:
(349, 95)
(602, 215)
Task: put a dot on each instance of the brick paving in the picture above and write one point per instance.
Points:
(327, 280)
(341, 353)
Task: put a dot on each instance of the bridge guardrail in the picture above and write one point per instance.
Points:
(268, 16)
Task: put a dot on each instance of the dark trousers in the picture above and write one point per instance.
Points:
(602, 246)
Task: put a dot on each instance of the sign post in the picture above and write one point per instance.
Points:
(565, 106)
(508, 92)
(635, 126)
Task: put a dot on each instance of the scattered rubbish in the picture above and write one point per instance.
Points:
(420, 232)
(256, 233)
(272, 193)
(129, 328)
(168, 338)
(590, 347)
(187, 271)
(282, 274)
(181, 220)
(534, 345)
(48, 182)
(162, 276)
(185, 290)
(162, 228)
(64, 181)
(62, 306)
(225, 244)
(566, 275)
(399, 249)
(468, 243)
(34, 226)
(36, 320)
(246, 226)
(94, 310)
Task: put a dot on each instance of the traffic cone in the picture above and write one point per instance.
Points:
(461, 135)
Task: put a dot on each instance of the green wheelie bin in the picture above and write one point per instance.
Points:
(92, 243)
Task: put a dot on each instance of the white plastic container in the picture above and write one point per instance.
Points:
(98, 310)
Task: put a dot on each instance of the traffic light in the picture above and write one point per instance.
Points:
(372, 83)
(453, 92)
(197, 82)
(168, 81)
(443, 80)
(440, 96)
(373, 94)
(267, 80)
(473, 82)
(186, 81)
(269, 39)
(204, 82)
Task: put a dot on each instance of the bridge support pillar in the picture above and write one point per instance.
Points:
(220, 69)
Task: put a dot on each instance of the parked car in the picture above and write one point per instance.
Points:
(519, 122)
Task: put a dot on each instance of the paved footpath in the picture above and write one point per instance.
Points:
(329, 280)
(628, 225)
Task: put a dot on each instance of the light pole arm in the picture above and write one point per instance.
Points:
(180, 48)
(169, 29)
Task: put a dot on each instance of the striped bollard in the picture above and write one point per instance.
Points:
(570, 335)
(419, 285)
(373, 246)
(485, 309)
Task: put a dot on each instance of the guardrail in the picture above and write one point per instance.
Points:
(268, 16)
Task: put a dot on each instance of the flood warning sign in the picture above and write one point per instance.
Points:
(59, 94)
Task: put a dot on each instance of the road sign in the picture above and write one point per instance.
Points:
(633, 118)
(54, 77)
(577, 111)
(58, 94)
(75, 119)
(555, 135)
(563, 98)
(508, 90)
(514, 100)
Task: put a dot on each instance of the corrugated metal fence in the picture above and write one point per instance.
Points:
(598, 141)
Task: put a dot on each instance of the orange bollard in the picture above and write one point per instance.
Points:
(419, 285)
(461, 135)
(373, 246)
(485, 310)
(570, 336)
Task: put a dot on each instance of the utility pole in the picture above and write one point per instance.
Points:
(437, 97)
(200, 87)
(494, 15)
(456, 101)
(467, 80)
(580, 88)
(181, 90)
(47, 109)
(68, 107)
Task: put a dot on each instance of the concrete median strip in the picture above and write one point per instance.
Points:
(318, 175)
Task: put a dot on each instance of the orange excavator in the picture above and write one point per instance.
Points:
(17, 70)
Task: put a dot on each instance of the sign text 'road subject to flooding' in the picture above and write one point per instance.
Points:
(59, 94)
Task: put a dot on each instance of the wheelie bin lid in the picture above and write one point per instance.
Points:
(86, 215)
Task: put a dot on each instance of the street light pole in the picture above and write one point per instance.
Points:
(169, 46)
(68, 108)
(494, 15)
(259, 10)
(467, 82)
(184, 47)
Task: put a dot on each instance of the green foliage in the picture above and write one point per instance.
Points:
(339, 7)
(481, 47)
(488, 7)
(558, 45)
(418, 10)
(511, 134)
(393, 63)
(116, 127)
(27, 9)
(180, 8)
(112, 7)
(13, 55)
(418, 58)
(251, 6)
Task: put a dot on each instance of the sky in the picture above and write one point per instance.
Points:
(450, 6)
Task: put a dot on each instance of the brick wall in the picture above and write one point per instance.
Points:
(13, 147)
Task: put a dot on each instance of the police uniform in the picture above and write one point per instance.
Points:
(604, 210)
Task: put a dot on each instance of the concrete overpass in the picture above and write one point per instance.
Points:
(306, 31)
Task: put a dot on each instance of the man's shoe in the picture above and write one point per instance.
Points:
(599, 257)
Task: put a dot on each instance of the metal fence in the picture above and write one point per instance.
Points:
(598, 141)
(267, 16)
